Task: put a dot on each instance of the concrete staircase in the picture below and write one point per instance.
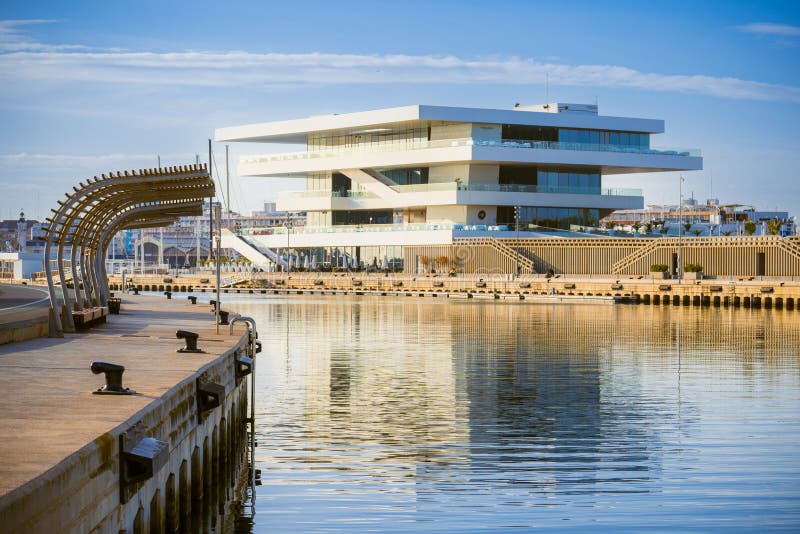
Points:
(260, 256)
(639, 254)
(374, 182)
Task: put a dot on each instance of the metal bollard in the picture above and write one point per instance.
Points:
(192, 299)
(113, 372)
(168, 294)
(223, 317)
(191, 341)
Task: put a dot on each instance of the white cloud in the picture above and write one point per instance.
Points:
(22, 60)
(242, 69)
(769, 28)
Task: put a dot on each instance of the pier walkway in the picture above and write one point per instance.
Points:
(49, 418)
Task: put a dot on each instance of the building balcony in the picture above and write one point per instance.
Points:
(457, 193)
(394, 234)
(613, 159)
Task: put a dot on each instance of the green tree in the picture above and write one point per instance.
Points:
(774, 226)
(749, 227)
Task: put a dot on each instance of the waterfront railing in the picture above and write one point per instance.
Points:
(367, 148)
(461, 186)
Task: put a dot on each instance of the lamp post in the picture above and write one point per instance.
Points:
(289, 226)
(680, 229)
(516, 224)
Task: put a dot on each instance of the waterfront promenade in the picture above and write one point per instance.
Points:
(59, 457)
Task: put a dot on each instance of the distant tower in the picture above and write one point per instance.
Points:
(22, 232)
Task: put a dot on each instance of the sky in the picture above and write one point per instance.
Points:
(92, 87)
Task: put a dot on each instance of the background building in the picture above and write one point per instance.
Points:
(380, 180)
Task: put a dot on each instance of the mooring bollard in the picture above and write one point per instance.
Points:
(113, 372)
(223, 317)
(114, 304)
(168, 294)
(191, 341)
(192, 299)
(213, 305)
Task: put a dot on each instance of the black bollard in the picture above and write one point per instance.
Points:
(223, 317)
(168, 294)
(192, 299)
(191, 341)
(113, 374)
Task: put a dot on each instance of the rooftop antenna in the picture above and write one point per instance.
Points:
(712, 182)
(546, 87)
(159, 160)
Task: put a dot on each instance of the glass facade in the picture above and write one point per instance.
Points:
(567, 181)
(362, 139)
(553, 179)
(340, 184)
(549, 217)
(604, 137)
(362, 217)
(413, 176)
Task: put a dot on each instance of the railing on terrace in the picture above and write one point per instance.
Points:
(326, 194)
(447, 143)
(459, 186)
(514, 188)
(408, 228)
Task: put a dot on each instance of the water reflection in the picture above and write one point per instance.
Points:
(411, 415)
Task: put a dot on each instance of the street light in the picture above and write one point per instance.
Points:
(288, 224)
(516, 223)
(680, 229)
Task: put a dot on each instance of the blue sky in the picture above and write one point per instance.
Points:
(89, 87)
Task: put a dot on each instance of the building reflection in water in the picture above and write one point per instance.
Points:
(502, 400)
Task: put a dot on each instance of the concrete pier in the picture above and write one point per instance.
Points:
(61, 446)
(756, 292)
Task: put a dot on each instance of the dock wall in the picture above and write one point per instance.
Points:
(82, 493)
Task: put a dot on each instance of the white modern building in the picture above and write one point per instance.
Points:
(428, 174)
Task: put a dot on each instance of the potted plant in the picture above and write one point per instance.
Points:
(424, 261)
(693, 271)
(658, 271)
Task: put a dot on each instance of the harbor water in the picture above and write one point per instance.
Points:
(410, 415)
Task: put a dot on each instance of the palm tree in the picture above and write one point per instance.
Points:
(774, 226)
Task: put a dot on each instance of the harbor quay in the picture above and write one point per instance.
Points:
(164, 457)
(757, 292)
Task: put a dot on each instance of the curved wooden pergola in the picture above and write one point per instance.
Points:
(95, 211)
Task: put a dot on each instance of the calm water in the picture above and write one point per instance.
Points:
(412, 415)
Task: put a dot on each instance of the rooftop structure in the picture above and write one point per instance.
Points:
(426, 174)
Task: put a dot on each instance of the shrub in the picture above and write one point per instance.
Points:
(749, 227)
(658, 268)
(692, 268)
